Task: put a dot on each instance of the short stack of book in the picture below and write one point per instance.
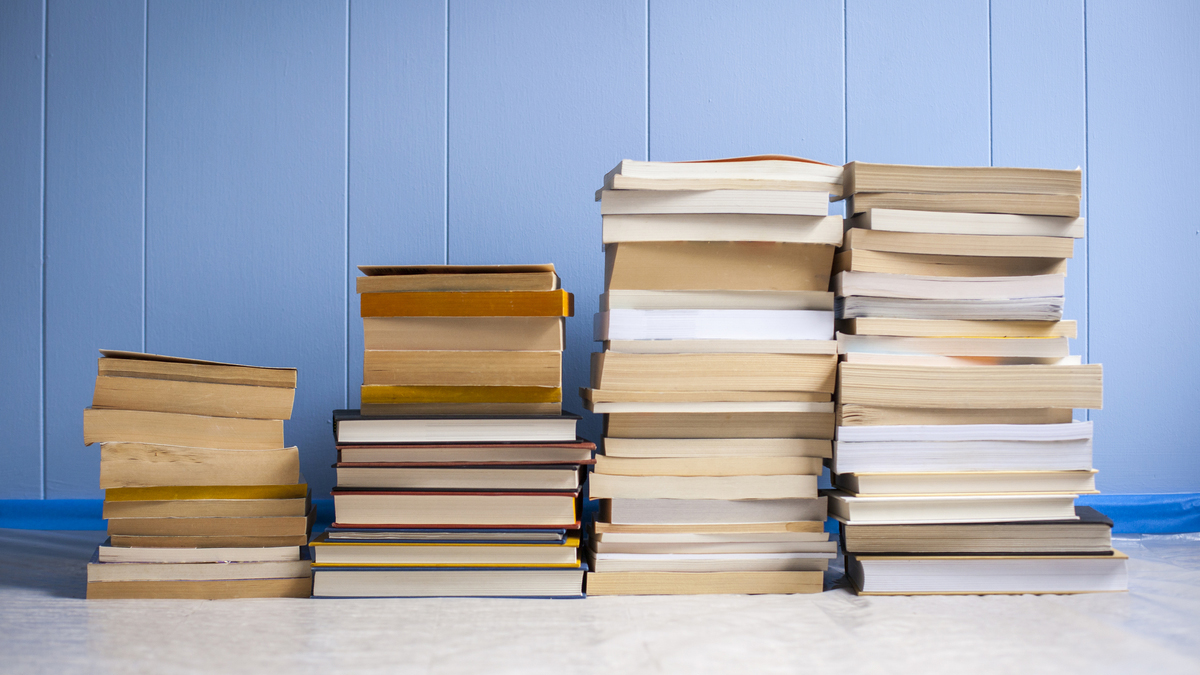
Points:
(461, 475)
(957, 461)
(201, 496)
(716, 377)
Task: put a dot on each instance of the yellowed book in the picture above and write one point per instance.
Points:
(874, 177)
(945, 265)
(193, 398)
(972, 386)
(952, 328)
(716, 447)
(717, 265)
(967, 202)
(299, 587)
(468, 333)
(811, 526)
(703, 583)
(379, 394)
(115, 363)
(453, 409)
(297, 491)
(608, 486)
(930, 243)
(221, 541)
(268, 526)
(146, 465)
(463, 368)
(709, 372)
(159, 428)
(618, 396)
(720, 425)
(734, 465)
(853, 415)
(207, 508)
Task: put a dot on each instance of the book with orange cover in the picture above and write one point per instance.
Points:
(483, 303)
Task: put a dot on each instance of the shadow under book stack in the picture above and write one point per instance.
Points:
(716, 377)
(957, 461)
(461, 475)
(201, 496)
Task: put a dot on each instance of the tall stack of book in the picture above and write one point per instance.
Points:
(202, 498)
(460, 475)
(957, 461)
(716, 377)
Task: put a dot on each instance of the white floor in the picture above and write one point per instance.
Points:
(45, 626)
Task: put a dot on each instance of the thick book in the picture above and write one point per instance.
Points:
(208, 541)
(953, 328)
(883, 285)
(1047, 309)
(717, 266)
(116, 363)
(463, 368)
(262, 526)
(755, 172)
(712, 324)
(395, 508)
(125, 465)
(721, 227)
(328, 552)
(623, 299)
(848, 508)
(727, 465)
(598, 396)
(713, 372)
(468, 333)
(1090, 532)
(703, 583)
(557, 303)
(676, 407)
(692, 542)
(710, 511)
(975, 245)
(160, 428)
(1069, 431)
(887, 262)
(867, 484)
(495, 477)
(881, 359)
(975, 575)
(941, 222)
(767, 202)
(121, 554)
(736, 425)
(193, 398)
(813, 561)
(872, 177)
(405, 278)
(688, 448)
(966, 455)
(206, 508)
(959, 346)
(577, 451)
(178, 492)
(102, 571)
(972, 386)
(721, 346)
(351, 428)
(1064, 206)
(403, 582)
(411, 395)
(857, 415)
(297, 587)
(814, 528)
(795, 486)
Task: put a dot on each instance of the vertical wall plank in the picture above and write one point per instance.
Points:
(94, 151)
(245, 197)
(730, 79)
(1144, 305)
(397, 145)
(545, 98)
(22, 31)
(917, 82)
(1039, 111)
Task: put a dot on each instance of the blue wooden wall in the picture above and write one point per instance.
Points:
(202, 178)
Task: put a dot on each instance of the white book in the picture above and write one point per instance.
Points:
(1018, 309)
(897, 575)
(978, 455)
(884, 285)
(123, 554)
(777, 202)
(932, 360)
(936, 222)
(206, 571)
(713, 324)
(709, 406)
(607, 486)
(722, 227)
(776, 300)
(770, 171)
(964, 346)
(721, 346)
(709, 562)
(705, 511)
(967, 482)
(717, 447)
(914, 509)
(1072, 431)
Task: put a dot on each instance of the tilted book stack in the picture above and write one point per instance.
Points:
(461, 475)
(957, 461)
(202, 498)
(716, 377)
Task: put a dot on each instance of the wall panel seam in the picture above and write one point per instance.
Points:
(42, 256)
(145, 149)
(647, 83)
(1087, 200)
(446, 140)
(346, 214)
(845, 87)
(991, 84)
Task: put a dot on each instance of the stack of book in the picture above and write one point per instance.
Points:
(202, 498)
(460, 475)
(957, 463)
(716, 377)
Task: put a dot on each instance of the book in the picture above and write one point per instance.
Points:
(709, 372)
(395, 394)
(710, 562)
(1045, 309)
(721, 346)
(721, 227)
(597, 396)
(439, 509)
(950, 508)
(101, 425)
(206, 508)
(973, 575)
(351, 428)
(872, 177)
(405, 278)
(496, 477)
(772, 202)
(457, 409)
(976, 245)
(193, 398)
(118, 554)
(148, 464)
(208, 541)
(463, 553)
(116, 363)
(708, 407)
(455, 535)
(757, 172)
(607, 486)
(1090, 532)
(966, 455)
(1066, 206)
(691, 542)
(720, 425)
(972, 387)
(959, 346)
(510, 582)
(621, 299)
(178, 492)
(941, 222)
(710, 511)
(882, 285)
(700, 448)
(463, 368)
(853, 414)
(297, 587)
(712, 324)
(727, 465)
(717, 266)
(692, 583)
(568, 452)
(98, 571)
(967, 482)
(919, 264)
(468, 333)
(1068, 431)
(264, 526)
(557, 303)
(881, 359)
(957, 328)
(815, 528)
